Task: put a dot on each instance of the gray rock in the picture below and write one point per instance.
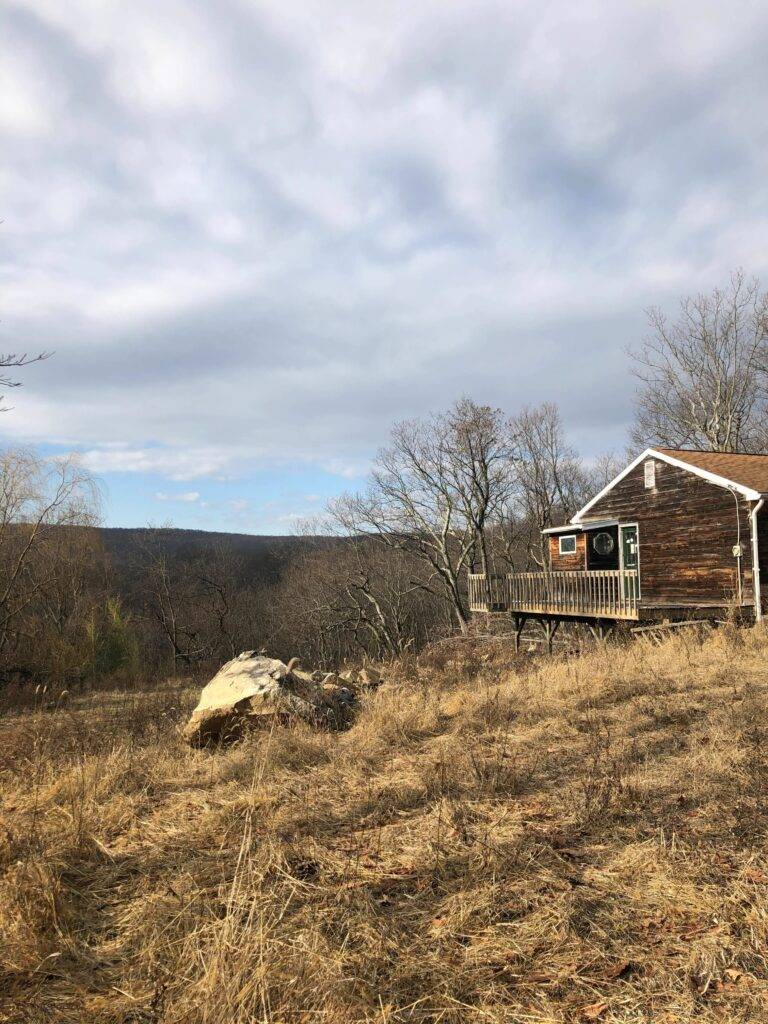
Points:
(253, 690)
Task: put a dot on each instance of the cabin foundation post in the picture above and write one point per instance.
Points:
(519, 621)
(550, 628)
(601, 629)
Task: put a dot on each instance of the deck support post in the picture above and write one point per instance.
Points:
(601, 629)
(519, 621)
(550, 628)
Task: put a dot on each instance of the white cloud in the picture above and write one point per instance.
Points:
(190, 497)
(159, 58)
(350, 469)
(24, 107)
(175, 465)
(251, 242)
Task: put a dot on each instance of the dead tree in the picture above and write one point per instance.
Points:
(431, 492)
(14, 360)
(550, 481)
(37, 498)
(703, 376)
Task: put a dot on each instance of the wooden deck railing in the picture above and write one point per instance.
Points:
(478, 593)
(612, 593)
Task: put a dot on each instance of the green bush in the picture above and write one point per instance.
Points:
(114, 643)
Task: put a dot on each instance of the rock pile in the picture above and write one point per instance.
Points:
(253, 690)
(357, 679)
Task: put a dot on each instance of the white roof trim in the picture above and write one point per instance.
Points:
(612, 484)
(713, 478)
(580, 527)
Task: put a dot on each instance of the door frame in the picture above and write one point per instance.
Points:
(621, 551)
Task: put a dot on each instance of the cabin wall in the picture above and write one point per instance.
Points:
(686, 530)
(560, 563)
(762, 544)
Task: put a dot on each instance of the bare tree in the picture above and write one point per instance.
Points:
(431, 493)
(14, 360)
(168, 600)
(484, 478)
(603, 470)
(38, 498)
(551, 481)
(219, 577)
(61, 630)
(352, 597)
(703, 376)
(197, 606)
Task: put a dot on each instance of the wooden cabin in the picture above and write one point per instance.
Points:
(675, 531)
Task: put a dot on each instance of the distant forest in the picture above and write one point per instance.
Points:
(383, 573)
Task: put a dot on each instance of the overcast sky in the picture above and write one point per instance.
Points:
(257, 234)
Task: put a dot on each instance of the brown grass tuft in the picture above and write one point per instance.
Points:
(578, 839)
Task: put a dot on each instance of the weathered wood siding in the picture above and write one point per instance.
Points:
(763, 548)
(687, 529)
(762, 542)
(560, 562)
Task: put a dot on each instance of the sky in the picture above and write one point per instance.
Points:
(255, 235)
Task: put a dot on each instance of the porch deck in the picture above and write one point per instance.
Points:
(608, 593)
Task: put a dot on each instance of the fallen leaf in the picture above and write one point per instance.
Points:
(593, 1011)
(619, 970)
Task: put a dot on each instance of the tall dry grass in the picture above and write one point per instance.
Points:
(565, 840)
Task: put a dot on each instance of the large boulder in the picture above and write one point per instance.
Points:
(253, 690)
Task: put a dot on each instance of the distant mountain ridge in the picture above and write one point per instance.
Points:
(118, 537)
(264, 556)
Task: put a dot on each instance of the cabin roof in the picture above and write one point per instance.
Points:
(748, 470)
(747, 474)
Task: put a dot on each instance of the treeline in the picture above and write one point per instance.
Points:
(465, 490)
(75, 610)
(462, 491)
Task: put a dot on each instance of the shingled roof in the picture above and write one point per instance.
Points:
(746, 473)
(746, 470)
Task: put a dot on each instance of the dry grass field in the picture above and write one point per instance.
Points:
(576, 839)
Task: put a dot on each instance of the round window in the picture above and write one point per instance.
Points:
(604, 543)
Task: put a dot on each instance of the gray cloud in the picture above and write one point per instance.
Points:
(262, 232)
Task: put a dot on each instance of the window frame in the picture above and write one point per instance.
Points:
(567, 536)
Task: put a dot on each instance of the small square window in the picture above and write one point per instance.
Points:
(568, 544)
(650, 474)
